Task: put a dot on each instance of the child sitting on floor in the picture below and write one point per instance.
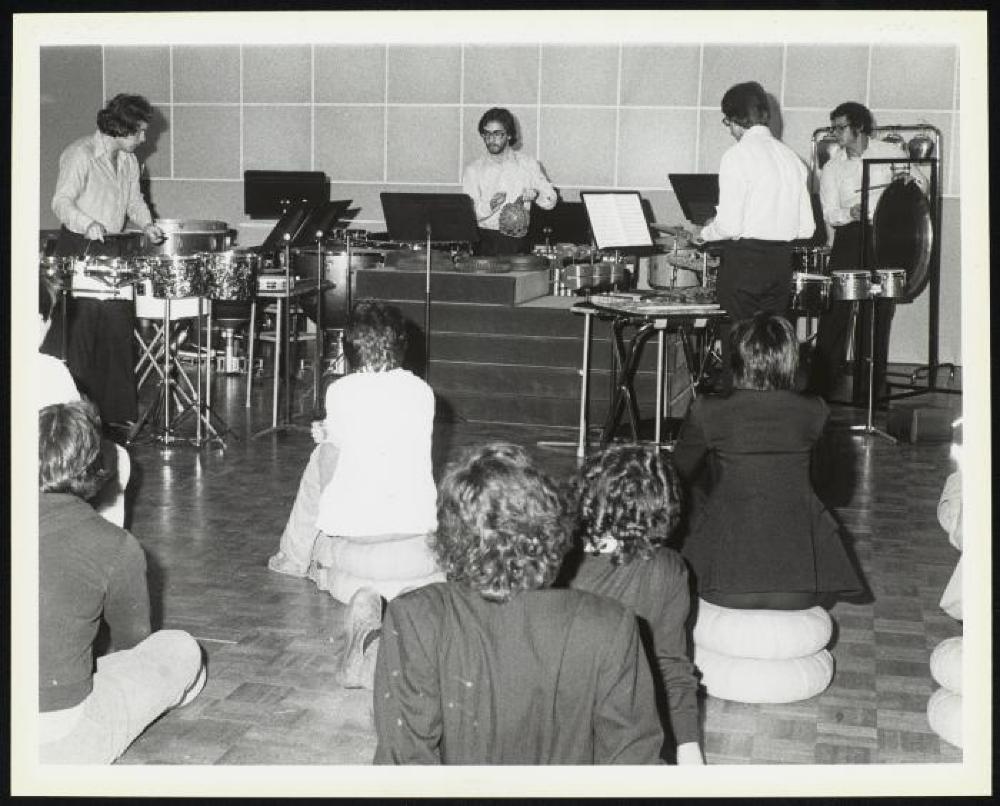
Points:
(627, 503)
(366, 501)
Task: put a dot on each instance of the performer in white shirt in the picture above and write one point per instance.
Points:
(502, 185)
(763, 206)
(840, 194)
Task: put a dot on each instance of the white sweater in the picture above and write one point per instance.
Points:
(382, 424)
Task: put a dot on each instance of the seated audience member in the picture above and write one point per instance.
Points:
(89, 571)
(627, 502)
(761, 539)
(496, 667)
(365, 503)
(56, 385)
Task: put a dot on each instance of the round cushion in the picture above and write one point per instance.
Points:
(946, 664)
(756, 680)
(944, 712)
(763, 634)
(387, 563)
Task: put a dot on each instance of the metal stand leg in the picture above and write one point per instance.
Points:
(581, 444)
(869, 428)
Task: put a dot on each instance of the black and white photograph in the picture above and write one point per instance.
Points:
(464, 402)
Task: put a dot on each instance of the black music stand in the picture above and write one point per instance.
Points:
(316, 227)
(429, 217)
(697, 195)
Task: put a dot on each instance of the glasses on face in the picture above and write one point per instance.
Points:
(840, 127)
(727, 122)
(494, 134)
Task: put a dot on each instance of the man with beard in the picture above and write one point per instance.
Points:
(502, 185)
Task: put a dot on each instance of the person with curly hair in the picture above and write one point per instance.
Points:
(502, 185)
(91, 707)
(366, 501)
(495, 666)
(760, 536)
(627, 501)
(97, 191)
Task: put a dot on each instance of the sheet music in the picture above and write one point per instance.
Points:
(617, 220)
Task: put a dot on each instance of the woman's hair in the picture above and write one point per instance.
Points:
(504, 118)
(501, 523)
(69, 449)
(858, 116)
(765, 353)
(375, 337)
(746, 104)
(631, 493)
(123, 114)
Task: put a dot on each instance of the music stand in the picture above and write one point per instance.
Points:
(697, 195)
(567, 222)
(416, 217)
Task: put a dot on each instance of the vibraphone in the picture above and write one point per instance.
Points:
(684, 312)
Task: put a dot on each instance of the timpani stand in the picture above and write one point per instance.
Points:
(176, 285)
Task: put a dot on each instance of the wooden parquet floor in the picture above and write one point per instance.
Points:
(209, 518)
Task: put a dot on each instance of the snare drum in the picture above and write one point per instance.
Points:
(174, 276)
(850, 285)
(231, 275)
(810, 293)
(58, 271)
(893, 282)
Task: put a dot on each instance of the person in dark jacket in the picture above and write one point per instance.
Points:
(496, 667)
(627, 501)
(760, 537)
(91, 709)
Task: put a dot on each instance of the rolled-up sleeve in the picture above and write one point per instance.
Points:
(135, 206)
(547, 196)
(74, 165)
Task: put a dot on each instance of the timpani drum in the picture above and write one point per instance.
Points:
(173, 276)
(893, 282)
(231, 275)
(112, 272)
(810, 293)
(850, 285)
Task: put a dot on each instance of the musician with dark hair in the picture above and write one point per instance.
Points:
(365, 504)
(96, 192)
(91, 709)
(627, 502)
(761, 538)
(840, 195)
(503, 184)
(763, 206)
(496, 667)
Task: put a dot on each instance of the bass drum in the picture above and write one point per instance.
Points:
(336, 300)
(903, 234)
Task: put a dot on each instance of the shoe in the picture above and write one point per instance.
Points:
(281, 564)
(195, 688)
(362, 625)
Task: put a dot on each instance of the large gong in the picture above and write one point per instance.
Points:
(903, 234)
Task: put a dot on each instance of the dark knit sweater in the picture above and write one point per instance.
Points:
(89, 569)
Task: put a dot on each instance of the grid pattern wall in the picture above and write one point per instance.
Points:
(395, 117)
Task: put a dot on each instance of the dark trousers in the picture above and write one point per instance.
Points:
(754, 275)
(494, 244)
(830, 349)
(100, 351)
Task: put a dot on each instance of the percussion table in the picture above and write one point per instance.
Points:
(647, 316)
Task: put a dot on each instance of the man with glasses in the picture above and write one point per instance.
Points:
(763, 206)
(840, 196)
(502, 185)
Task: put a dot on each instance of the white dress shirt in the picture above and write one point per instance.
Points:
(840, 180)
(383, 483)
(513, 173)
(762, 192)
(92, 188)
